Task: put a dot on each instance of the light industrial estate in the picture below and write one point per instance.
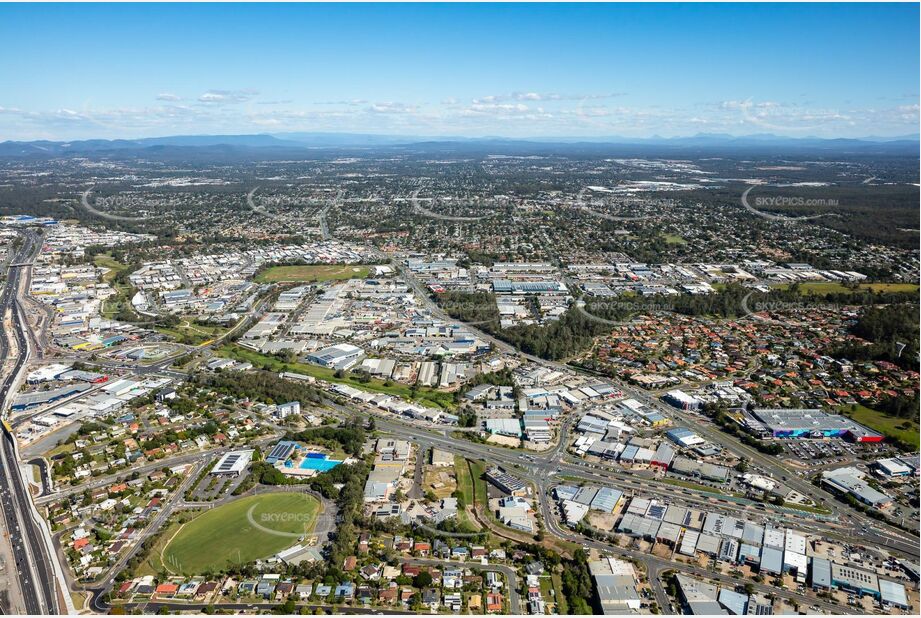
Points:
(460, 309)
(386, 413)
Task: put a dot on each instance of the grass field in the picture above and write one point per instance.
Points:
(833, 287)
(902, 429)
(190, 333)
(304, 274)
(240, 531)
(674, 239)
(122, 298)
(423, 395)
(104, 260)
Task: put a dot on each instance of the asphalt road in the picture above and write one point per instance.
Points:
(37, 580)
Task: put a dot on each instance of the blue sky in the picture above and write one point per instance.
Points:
(82, 71)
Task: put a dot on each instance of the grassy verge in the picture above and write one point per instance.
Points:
(79, 599)
(67, 447)
(153, 565)
(423, 395)
(808, 509)
(903, 429)
(562, 608)
(312, 273)
(690, 485)
(477, 470)
(464, 480)
(465, 490)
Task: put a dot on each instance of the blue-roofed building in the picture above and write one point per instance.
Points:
(734, 602)
(566, 492)
(820, 574)
(110, 341)
(772, 560)
(749, 554)
(345, 590)
(606, 499)
(893, 593)
(683, 437)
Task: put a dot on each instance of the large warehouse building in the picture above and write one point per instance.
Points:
(233, 463)
(807, 423)
(342, 356)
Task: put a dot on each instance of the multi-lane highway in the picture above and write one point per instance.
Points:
(35, 571)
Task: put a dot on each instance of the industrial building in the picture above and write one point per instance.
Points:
(806, 423)
(40, 398)
(341, 356)
(854, 580)
(663, 456)
(506, 482)
(232, 463)
(698, 597)
(615, 586)
(684, 437)
(681, 400)
(639, 526)
(704, 470)
(510, 427)
(850, 481)
(892, 468)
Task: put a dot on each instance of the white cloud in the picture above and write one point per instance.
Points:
(499, 107)
(392, 108)
(520, 116)
(350, 102)
(544, 96)
(168, 96)
(227, 96)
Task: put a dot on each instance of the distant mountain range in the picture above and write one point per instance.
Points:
(291, 144)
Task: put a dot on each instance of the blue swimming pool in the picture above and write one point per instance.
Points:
(316, 461)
